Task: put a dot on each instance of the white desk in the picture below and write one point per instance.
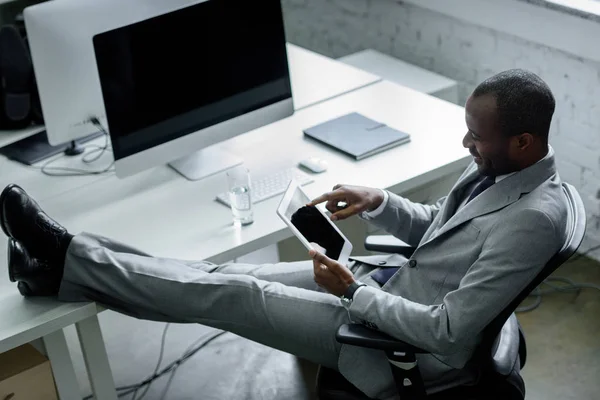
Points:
(146, 209)
(25, 320)
(315, 78)
(8, 137)
(166, 215)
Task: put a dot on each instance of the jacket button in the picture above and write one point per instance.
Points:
(412, 263)
(382, 262)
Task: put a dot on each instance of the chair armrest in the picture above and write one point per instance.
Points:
(522, 347)
(361, 336)
(401, 357)
(506, 351)
(388, 244)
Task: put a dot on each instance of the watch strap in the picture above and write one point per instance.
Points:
(352, 289)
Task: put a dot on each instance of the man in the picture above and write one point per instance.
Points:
(477, 249)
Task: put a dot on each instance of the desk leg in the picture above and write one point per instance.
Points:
(96, 359)
(62, 365)
(39, 346)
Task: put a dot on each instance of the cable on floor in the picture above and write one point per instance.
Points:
(567, 286)
(203, 341)
(160, 357)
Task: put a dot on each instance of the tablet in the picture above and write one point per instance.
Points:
(311, 225)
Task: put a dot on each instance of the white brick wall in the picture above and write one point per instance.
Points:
(467, 53)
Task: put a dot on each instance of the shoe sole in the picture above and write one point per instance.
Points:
(24, 289)
(11, 272)
(2, 198)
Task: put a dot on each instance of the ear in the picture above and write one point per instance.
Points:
(524, 141)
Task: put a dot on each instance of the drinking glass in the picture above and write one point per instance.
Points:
(238, 179)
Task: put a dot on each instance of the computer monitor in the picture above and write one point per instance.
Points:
(167, 78)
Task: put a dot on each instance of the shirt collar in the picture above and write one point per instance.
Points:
(548, 155)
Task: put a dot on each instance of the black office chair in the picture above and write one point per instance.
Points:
(500, 356)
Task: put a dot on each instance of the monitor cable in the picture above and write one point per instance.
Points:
(96, 152)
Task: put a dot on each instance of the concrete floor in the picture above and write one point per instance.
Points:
(562, 338)
(563, 345)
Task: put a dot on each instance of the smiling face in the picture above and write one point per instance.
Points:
(491, 149)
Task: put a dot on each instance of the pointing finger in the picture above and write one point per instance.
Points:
(345, 213)
(320, 199)
(329, 196)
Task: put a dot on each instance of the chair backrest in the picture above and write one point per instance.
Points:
(576, 225)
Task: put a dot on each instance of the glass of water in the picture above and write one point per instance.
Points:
(240, 195)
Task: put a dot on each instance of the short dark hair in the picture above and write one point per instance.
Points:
(524, 102)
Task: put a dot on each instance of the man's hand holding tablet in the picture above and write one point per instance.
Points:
(329, 274)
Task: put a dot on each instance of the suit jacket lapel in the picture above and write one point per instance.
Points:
(456, 194)
(499, 195)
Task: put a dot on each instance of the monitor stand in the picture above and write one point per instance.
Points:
(36, 148)
(74, 149)
(206, 162)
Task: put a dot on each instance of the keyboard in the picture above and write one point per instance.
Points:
(271, 185)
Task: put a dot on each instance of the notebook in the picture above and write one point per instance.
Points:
(357, 136)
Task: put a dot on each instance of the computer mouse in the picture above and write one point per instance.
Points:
(314, 164)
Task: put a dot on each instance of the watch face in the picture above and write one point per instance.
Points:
(345, 301)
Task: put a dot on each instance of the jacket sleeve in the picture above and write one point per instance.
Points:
(406, 220)
(514, 252)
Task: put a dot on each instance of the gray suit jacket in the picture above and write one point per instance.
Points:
(468, 265)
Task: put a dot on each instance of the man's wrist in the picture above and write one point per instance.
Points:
(348, 295)
(377, 201)
(379, 209)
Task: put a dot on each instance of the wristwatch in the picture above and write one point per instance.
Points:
(347, 297)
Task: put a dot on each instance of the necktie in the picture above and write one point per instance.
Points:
(483, 185)
(384, 274)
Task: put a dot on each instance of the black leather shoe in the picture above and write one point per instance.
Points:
(36, 277)
(22, 218)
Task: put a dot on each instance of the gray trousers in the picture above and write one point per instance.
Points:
(278, 305)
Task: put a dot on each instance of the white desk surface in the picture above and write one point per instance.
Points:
(166, 215)
(8, 137)
(24, 320)
(160, 212)
(316, 78)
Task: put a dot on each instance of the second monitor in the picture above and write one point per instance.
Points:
(178, 77)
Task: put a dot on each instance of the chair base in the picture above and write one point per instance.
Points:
(331, 385)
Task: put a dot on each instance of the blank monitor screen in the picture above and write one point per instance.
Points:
(180, 72)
